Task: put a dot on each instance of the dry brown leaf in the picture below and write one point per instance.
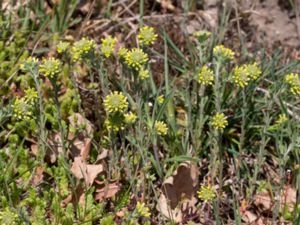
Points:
(88, 172)
(55, 149)
(102, 155)
(166, 4)
(210, 16)
(178, 192)
(75, 197)
(259, 221)
(121, 213)
(34, 149)
(82, 142)
(38, 176)
(288, 198)
(164, 208)
(249, 217)
(107, 191)
(265, 202)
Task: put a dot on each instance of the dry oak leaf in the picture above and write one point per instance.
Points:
(166, 4)
(288, 198)
(77, 197)
(107, 191)
(54, 148)
(210, 17)
(55, 144)
(88, 172)
(102, 155)
(249, 217)
(178, 192)
(38, 176)
(81, 143)
(265, 201)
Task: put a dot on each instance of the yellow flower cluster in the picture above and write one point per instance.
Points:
(144, 74)
(254, 71)
(147, 36)
(219, 121)
(221, 52)
(62, 47)
(108, 45)
(240, 76)
(281, 119)
(122, 52)
(161, 128)
(206, 76)
(206, 193)
(202, 35)
(29, 64)
(130, 118)
(31, 95)
(115, 122)
(82, 48)
(136, 58)
(243, 74)
(116, 105)
(8, 217)
(116, 102)
(294, 81)
(50, 67)
(22, 109)
(142, 210)
(160, 99)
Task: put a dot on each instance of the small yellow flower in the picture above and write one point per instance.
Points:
(294, 81)
(206, 76)
(295, 89)
(160, 99)
(142, 210)
(50, 67)
(219, 121)
(202, 35)
(108, 45)
(82, 48)
(8, 217)
(253, 70)
(291, 78)
(30, 95)
(161, 128)
(130, 118)
(122, 52)
(115, 102)
(21, 109)
(282, 119)
(144, 74)
(220, 51)
(206, 193)
(62, 47)
(136, 58)
(115, 122)
(29, 64)
(147, 35)
(241, 76)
